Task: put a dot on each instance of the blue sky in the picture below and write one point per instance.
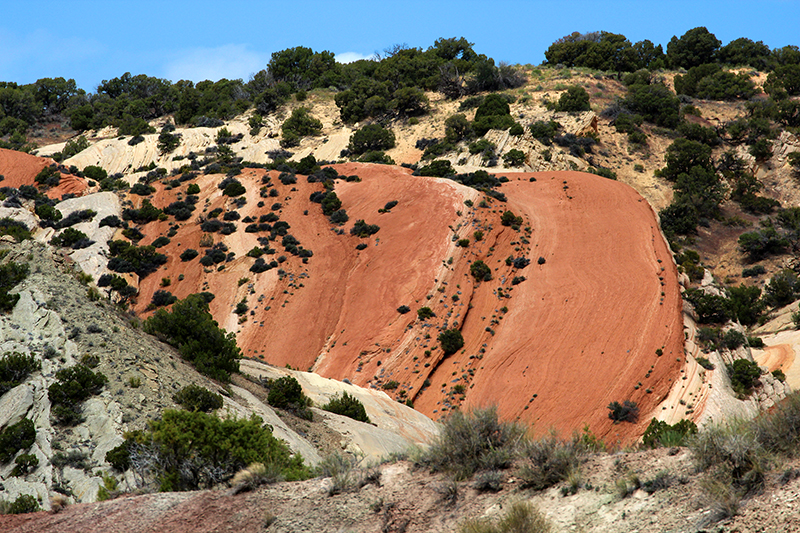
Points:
(91, 41)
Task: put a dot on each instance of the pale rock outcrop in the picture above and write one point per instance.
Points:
(405, 423)
(20, 214)
(92, 259)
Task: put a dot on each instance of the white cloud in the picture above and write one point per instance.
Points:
(349, 57)
(230, 61)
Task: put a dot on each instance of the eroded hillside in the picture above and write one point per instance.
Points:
(590, 315)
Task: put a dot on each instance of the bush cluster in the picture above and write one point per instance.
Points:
(300, 124)
(660, 433)
(347, 405)
(471, 442)
(16, 437)
(480, 271)
(451, 341)
(14, 228)
(11, 275)
(189, 450)
(73, 386)
(626, 411)
(126, 257)
(192, 330)
(196, 398)
(15, 368)
(286, 393)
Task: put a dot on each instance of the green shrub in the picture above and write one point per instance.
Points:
(24, 504)
(363, 230)
(390, 385)
(189, 254)
(120, 456)
(372, 137)
(514, 158)
(457, 127)
(142, 189)
(705, 363)
(162, 298)
(732, 339)
(576, 99)
(710, 82)
(15, 368)
(710, 308)
(74, 147)
(71, 238)
(196, 450)
(127, 257)
(548, 461)
(627, 411)
(424, 313)
(746, 304)
(655, 103)
(782, 289)
(660, 433)
(347, 405)
(48, 212)
(234, 188)
(167, 141)
(480, 271)
(744, 376)
(196, 398)
(604, 172)
(473, 441)
(510, 219)
(24, 464)
(376, 156)
(483, 146)
(14, 228)
(147, 213)
(451, 341)
(286, 392)
(439, 169)
(190, 327)
(73, 386)
(48, 176)
(493, 113)
(330, 204)
(16, 437)
(763, 242)
(544, 131)
(300, 124)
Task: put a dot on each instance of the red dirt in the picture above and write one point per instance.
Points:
(20, 168)
(582, 331)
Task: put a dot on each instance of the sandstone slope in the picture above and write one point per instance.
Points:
(589, 319)
(19, 168)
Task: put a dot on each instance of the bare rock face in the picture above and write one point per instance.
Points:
(93, 259)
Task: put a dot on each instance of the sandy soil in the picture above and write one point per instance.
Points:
(412, 500)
